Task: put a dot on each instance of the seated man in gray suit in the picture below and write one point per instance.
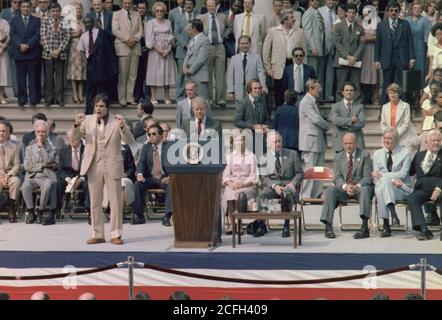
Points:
(197, 126)
(195, 63)
(287, 174)
(243, 67)
(352, 169)
(348, 116)
(41, 165)
(391, 165)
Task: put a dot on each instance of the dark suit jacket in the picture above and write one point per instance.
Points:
(29, 35)
(107, 15)
(129, 162)
(245, 115)
(433, 179)
(145, 162)
(362, 168)
(65, 162)
(402, 44)
(210, 124)
(287, 124)
(102, 64)
(289, 81)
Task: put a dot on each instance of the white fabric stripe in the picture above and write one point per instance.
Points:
(119, 277)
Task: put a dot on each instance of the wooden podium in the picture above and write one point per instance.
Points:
(196, 196)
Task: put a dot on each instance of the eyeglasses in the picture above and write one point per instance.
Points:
(299, 56)
(151, 134)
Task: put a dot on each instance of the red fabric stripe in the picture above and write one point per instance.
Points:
(213, 293)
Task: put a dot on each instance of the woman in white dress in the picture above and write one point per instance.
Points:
(4, 58)
(240, 173)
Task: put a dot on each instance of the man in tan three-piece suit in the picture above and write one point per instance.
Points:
(9, 169)
(103, 163)
(128, 30)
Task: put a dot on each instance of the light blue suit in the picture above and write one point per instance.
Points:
(385, 191)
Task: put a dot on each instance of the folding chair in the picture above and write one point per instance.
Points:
(76, 209)
(154, 208)
(323, 174)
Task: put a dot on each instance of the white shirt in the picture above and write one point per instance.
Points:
(209, 28)
(390, 21)
(101, 17)
(295, 73)
(346, 102)
(83, 43)
(203, 125)
(352, 24)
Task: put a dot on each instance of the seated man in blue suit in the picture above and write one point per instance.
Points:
(151, 174)
(295, 76)
(390, 174)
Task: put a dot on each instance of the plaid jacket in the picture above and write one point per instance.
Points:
(52, 40)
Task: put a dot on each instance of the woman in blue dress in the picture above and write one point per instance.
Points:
(420, 29)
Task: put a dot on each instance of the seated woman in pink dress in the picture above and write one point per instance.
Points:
(241, 172)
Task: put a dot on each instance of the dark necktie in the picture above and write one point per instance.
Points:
(91, 43)
(156, 164)
(349, 179)
(244, 66)
(278, 165)
(25, 21)
(128, 16)
(389, 161)
(98, 23)
(393, 27)
(321, 22)
(199, 128)
(189, 17)
(256, 110)
(350, 28)
(349, 108)
(214, 31)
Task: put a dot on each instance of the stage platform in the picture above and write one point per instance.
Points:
(41, 250)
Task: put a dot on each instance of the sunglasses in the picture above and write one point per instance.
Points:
(393, 10)
(150, 134)
(299, 56)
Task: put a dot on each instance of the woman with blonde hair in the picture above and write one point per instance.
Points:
(396, 114)
(240, 173)
(161, 67)
(77, 65)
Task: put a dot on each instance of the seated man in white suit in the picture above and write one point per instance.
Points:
(391, 165)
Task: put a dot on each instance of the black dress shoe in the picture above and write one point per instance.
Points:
(39, 215)
(21, 105)
(33, 105)
(47, 105)
(428, 234)
(329, 232)
(386, 232)
(362, 234)
(166, 222)
(49, 221)
(395, 222)
(421, 236)
(286, 233)
(61, 104)
(138, 220)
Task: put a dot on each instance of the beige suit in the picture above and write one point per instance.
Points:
(275, 53)
(257, 30)
(217, 57)
(404, 126)
(128, 58)
(10, 166)
(103, 163)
